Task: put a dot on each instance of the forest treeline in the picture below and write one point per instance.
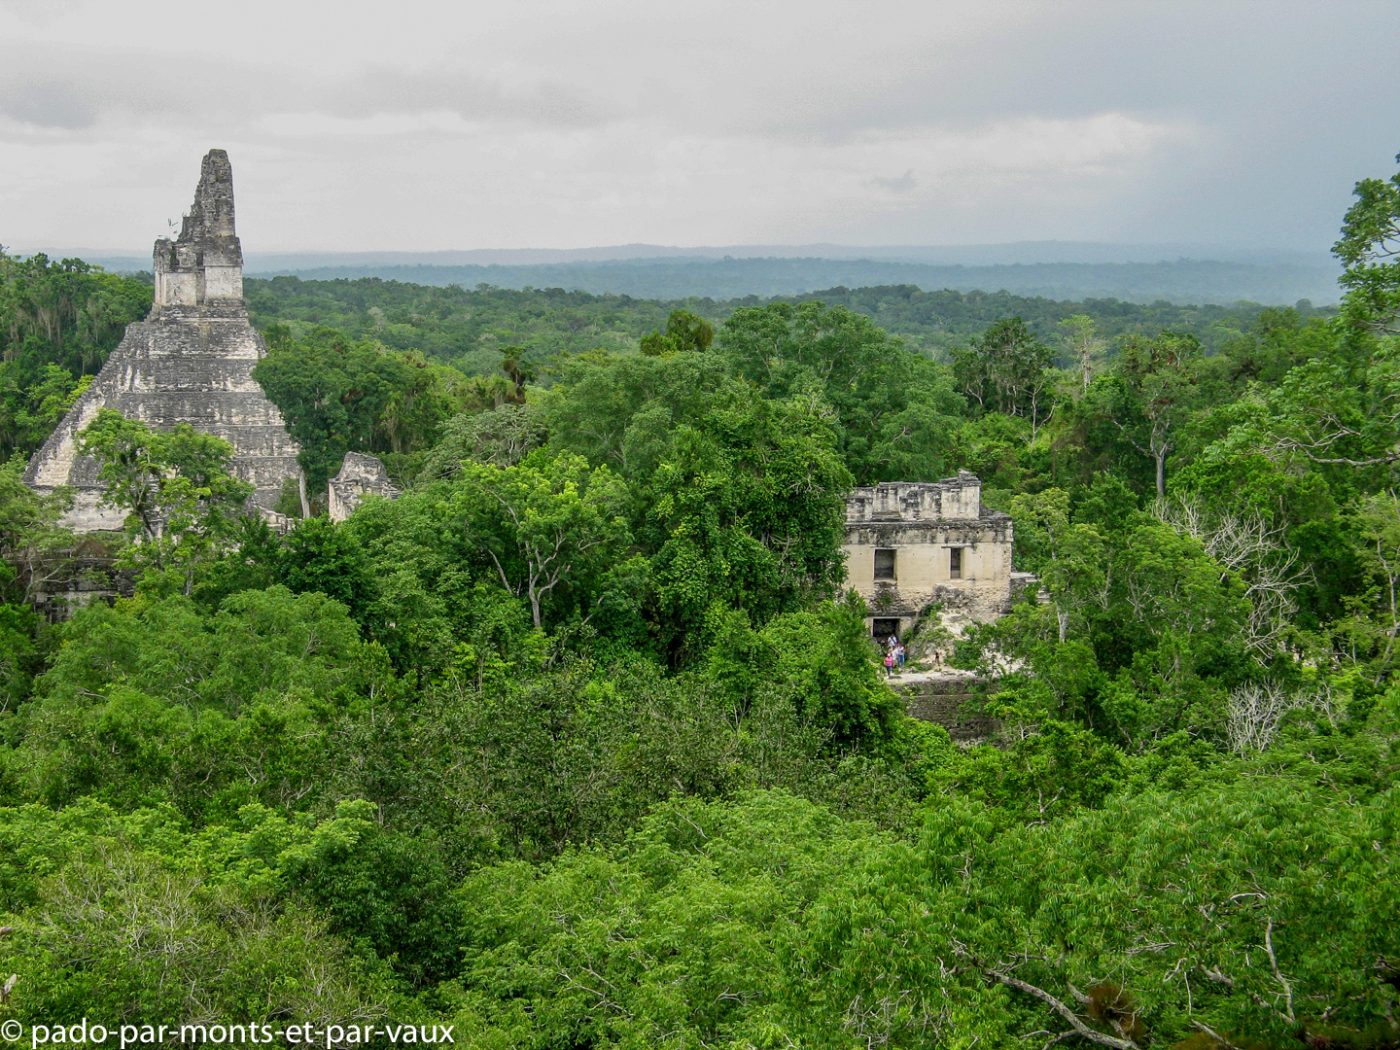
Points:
(1173, 280)
(579, 743)
(464, 327)
(63, 317)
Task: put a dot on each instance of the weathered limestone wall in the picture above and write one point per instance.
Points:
(923, 524)
(948, 700)
(360, 476)
(190, 361)
(205, 264)
(923, 567)
(88, 579)
(955, 499)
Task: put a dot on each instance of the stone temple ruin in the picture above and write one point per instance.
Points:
(190, 361)
(360, 476)
(909, 546)
(912, 545)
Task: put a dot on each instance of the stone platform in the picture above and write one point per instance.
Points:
(948, 698)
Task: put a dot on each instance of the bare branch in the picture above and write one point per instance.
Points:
(1246, 544)
(1220, 1039)
(1080, 1028)
(1256, 709)
(1273, 965)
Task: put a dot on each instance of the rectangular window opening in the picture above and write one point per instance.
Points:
(955, 563)
(884, 564)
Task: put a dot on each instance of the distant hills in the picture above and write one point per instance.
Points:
(1052, 269)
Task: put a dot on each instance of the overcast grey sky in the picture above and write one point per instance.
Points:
(413, 125)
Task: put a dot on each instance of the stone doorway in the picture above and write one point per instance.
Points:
(880, 628)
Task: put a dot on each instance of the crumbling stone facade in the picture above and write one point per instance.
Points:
(360, 476)
(910, 545)
(950, 700)
(190, 361)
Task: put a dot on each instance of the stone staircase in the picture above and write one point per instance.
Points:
(947, 698)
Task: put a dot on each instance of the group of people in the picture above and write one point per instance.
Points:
(894, 656)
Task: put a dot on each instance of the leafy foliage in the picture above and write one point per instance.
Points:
(58, 323)
(176, 486)
(577, 742)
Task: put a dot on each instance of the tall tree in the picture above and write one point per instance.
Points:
(685, 331)
(1369, 247)
(746, 511)
(547, 524)
(894, 411)
(176, 486)
(1084, 345)
(1007, 369)
(340, 395)
(1151, 394)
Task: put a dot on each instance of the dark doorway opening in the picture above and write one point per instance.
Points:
(882, 629)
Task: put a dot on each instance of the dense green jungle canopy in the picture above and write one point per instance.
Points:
(466, 328)
(579, 744)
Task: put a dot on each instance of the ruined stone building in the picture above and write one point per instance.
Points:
(190, 361)
(910, 545)
(360, 476)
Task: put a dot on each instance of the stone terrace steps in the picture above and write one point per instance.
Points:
(947, 698)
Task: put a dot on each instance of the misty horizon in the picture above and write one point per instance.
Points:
(969, 254)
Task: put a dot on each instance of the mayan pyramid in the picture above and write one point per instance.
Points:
(190, 361)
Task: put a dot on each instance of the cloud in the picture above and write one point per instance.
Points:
(47, 104)
(564, 122)
(71, 88)
(898, 184)
(85, 87)
(380, 90)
